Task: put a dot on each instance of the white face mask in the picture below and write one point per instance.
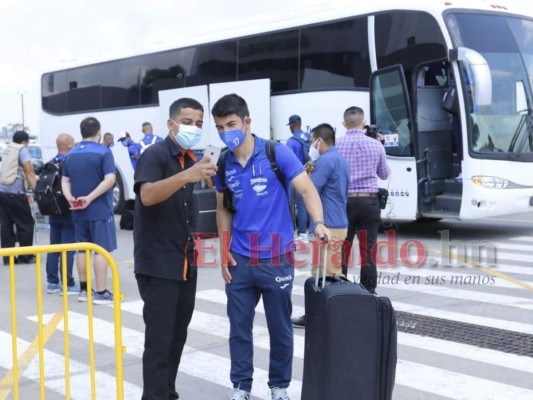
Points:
(313, 152)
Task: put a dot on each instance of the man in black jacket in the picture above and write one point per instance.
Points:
(163, 244)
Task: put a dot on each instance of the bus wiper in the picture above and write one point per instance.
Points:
(528, 136)
(491, 146)
(526, 121)
(518, 130)
(525, 124)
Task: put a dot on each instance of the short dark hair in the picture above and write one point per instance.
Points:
(21, 136)
(230, 104)
(89, 127)
(184, 102)
(324, 132)
(354, 115)
(107, 134)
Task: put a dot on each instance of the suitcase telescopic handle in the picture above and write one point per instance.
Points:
(324, 240)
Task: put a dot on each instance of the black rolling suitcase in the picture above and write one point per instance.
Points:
(350, 342)
(205, 203)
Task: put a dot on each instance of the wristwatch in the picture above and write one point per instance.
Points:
(320, 222)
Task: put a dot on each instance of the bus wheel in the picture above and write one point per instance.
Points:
(118, 195)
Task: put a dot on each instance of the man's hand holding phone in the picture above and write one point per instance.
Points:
(213, 153)
(206, 168)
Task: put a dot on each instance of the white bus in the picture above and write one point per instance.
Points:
(450, 82)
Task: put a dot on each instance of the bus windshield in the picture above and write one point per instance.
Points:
(503, 128)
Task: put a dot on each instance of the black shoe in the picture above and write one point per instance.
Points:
(6, 261)
(26, 259)
(298, 322)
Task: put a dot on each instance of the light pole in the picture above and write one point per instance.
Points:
(22, 106)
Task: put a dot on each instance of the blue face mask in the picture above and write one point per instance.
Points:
(111, 144)
(232, 139)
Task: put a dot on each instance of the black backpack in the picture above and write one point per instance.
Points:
(221, 173)
(48, 193)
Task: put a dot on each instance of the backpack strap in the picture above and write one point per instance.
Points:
(221, 174)
(271, 155)
(57, 161)
(300, 139)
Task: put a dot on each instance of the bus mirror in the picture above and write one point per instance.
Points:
(479, 74)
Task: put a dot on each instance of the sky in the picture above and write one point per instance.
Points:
(39, 36)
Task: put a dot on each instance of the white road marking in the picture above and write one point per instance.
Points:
(54, 370)
(197, 363)
(460, 294)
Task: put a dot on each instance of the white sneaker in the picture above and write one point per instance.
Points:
(459, 177)
(279, 394)
(238, 394)
(304, 238)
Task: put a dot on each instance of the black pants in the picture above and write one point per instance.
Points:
(364, 218)
(167, 312)
(15, 210)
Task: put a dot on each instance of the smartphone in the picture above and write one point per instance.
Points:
(213, 152)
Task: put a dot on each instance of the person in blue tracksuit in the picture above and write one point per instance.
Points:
(87, 183)
(133, 148)
(299, 144)
(258, 263)
(148, 139)
(61, 231)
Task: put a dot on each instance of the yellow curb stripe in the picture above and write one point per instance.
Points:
(6, 384)
(493, 272)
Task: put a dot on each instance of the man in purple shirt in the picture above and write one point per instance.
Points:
(368, 162)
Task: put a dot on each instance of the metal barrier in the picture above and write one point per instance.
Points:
(13, 375)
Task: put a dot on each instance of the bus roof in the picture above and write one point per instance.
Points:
(308, 15)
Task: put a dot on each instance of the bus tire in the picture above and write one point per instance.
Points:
(118, 194)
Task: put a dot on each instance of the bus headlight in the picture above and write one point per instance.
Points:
(490, 182)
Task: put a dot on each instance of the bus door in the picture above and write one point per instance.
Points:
(256, 93)
(438, 133)
(391, 111)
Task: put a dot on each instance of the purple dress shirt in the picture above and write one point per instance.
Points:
(367, 160)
